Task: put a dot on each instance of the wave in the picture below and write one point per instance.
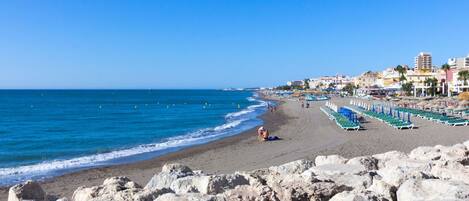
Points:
(235, 123)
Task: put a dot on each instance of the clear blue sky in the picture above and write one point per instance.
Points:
(217, 44)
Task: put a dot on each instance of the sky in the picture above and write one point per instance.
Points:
(205, 44)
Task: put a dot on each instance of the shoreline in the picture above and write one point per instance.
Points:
(95, 175)
(305, 134)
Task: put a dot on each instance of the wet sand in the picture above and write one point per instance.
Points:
(305, 133)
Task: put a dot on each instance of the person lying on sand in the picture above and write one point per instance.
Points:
(263, 135)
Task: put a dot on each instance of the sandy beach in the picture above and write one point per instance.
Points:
(305, 133)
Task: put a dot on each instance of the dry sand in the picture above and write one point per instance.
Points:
(305, 133)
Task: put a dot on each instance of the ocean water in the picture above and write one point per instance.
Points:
(44, 133)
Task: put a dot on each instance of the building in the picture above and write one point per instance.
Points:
(423, 61)
(368, 79)
(459, 63)
(296, 83)
(390, 79)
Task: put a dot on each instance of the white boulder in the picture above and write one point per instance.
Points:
(331, 159)
(432, 190)
(295, 167)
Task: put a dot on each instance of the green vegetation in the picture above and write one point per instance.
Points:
(463, 75)
(402, 71)
(306, 81)
(407, 88)
(432, 82)
(349, 88)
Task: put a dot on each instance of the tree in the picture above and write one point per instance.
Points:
(463, 75)
(332, 85)
(306, 81)
(446, 68)
(407, 88)
(432, 82)
(284, 87)
(349, 88)
(401, 70)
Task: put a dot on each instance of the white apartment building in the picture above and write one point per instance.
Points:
(423, 61)
(459, 63)
(295, 83)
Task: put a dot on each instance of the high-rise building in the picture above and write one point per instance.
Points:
(423, 61)
(459, 63)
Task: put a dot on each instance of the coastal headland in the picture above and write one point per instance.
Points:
(305, 133)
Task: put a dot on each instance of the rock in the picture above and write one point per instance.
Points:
(295, 167)
(357, 196)
(250, 193)
(114, 188)
(331, 159)
(432, 190)
(425, 153)
(62, 199)
(208, 184)
(29, 190)
(176, 168)
(83, 193)
(391, 155)
(466, 143)
(455, 153)
(353, 176)
(148, 195)
(338, 169)
(451, 171)
(398, 171)
(383, 189)
(221, 183)
(188, 197)
(368, 162)
(295, 187)
(168, 174)
(191, 184)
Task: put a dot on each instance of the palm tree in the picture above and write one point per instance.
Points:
(432, 82)
(463, 75)
(306, 81)
(446, 68)
(401, 70)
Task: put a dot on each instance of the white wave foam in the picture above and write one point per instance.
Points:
(203, 135)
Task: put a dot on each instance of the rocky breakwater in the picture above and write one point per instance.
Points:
(426, 173)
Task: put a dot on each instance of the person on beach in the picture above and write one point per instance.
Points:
(302, 104)
(263, 135)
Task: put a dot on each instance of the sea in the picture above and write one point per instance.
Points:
(46, 133)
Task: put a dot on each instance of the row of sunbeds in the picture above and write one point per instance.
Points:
(341, 121)
(390, 120)
(437, 117)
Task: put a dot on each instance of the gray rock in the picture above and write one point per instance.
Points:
(29, 190)
(368, 162)
(168, 174)
(295, 167)
(432, 190)
(189, 197)
(353, 176)
(112, 189)
(331, 159)
(357, 196)
(383, 189)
